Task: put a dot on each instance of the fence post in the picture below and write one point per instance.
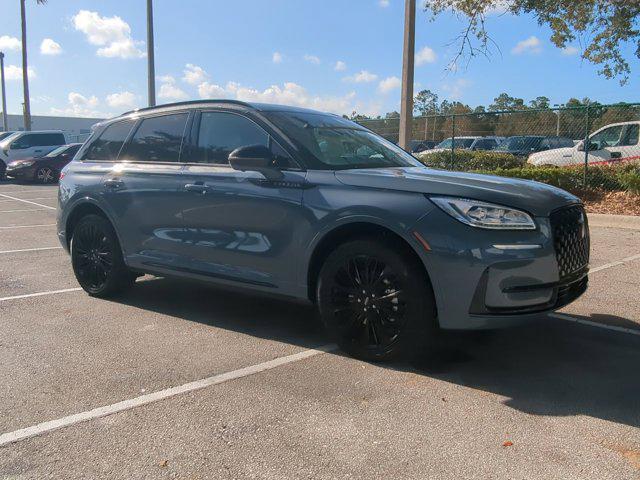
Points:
(586, 148)
(426, 127)
(453, 139)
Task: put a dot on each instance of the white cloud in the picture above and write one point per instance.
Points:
(277, 57)
(425, 55)
(363, 76)
(169, 90)
(80, 106)
(383, 3)
(528, 45)
(14, 72)
(570, 50)
(289, 93)
(340, 66)
(194, 75)
(311, 59)
(111, 34)
(389, 84)
(123, 100)
(455, 90)
(10, 43)
(50, 47)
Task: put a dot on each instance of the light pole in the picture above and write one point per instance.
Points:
(151, 69)
(406, 101)
(559, 106)
(5, 122)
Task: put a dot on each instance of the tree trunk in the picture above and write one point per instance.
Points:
(25, 69)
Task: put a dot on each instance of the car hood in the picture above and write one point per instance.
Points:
(556, 153)
(536, 198)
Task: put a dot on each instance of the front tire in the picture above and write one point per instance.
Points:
(375, 300)
(45, 175)
(96, 258)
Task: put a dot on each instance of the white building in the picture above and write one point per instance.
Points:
(77, 129)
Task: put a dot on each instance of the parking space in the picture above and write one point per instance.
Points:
(557, 399)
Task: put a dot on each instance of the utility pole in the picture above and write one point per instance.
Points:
(151, 68)
(26, 111)
(406, 101)
(5, 122)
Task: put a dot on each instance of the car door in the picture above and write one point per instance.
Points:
(600, 144)
(141, 191)
(240, 227)
(25, 146)
(627, 148)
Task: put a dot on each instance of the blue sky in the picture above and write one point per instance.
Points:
(279, 51)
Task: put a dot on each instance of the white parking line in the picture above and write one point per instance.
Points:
(27, 201)
(2, 252)
(100, 412)
(39, 294)
(589, 323)
(33, 198)
(615, 264)
(28, 226)
(24, 210)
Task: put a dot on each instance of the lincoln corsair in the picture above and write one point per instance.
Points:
(310, 206)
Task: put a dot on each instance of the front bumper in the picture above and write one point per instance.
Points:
(21, 172)
(491, 279)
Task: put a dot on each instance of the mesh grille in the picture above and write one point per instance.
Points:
(571, 239)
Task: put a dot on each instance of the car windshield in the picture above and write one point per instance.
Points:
(519, 143)
(4, 135)
(58, 151)
(5, 141)
(328, 142)
(458, 143)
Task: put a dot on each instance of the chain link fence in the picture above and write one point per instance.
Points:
(590, 150)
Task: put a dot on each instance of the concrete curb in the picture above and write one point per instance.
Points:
(630, 222)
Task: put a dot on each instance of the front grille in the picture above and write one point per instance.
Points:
(571, 239)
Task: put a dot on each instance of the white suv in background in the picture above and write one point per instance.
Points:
(28, 145)
(617, 142)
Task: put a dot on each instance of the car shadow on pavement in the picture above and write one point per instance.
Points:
(553, 367)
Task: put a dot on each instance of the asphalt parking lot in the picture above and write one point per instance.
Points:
(180, 380)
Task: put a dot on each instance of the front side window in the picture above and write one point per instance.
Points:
(157, 139)
(328, 142)
(108, 144)
(520, 144)
(609, 137)
(220, 133)
(22, 142)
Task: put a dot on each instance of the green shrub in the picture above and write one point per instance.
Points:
(465, 160)
(609, 178)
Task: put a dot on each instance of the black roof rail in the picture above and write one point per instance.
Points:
(188, 102)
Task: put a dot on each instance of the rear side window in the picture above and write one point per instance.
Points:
(42, 140)
(221, 133)
(109, 143)
(157, 139)
(631, 136)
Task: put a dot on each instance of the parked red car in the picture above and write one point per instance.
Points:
(43, 169)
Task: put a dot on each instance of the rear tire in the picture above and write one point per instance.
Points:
(97, 259)
(376, 300)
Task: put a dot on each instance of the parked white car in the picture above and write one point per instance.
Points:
(613, 143)
(21, 145)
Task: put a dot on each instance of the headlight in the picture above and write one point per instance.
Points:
(485, 215)
(22, 163)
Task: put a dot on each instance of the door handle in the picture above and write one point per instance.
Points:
(616, 155)
(197, 187)
(113, 183)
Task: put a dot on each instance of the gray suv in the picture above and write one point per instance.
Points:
(310, 206)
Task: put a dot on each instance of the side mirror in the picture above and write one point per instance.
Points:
(255, 158)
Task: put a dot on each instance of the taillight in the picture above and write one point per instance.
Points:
(61, 175)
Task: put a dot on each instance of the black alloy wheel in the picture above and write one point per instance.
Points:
(375, 300)
(45, 175)
(97, 259)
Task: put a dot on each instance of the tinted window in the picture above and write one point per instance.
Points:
(47, 139)
(221, 133)
(109, 143)
(609, 137)
(631, 135)
(157, 139)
